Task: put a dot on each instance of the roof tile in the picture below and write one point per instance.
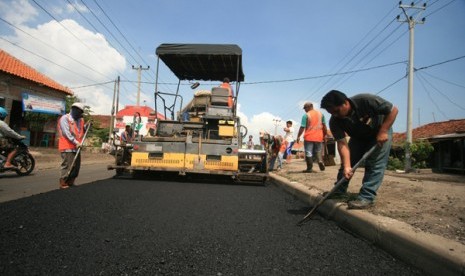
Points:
(14, 66)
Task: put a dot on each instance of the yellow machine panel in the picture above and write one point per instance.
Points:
(168, 160)
(227, 163)
(226, 131)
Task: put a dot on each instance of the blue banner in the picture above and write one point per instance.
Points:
(35, 103)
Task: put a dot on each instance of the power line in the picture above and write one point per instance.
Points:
(104, 26)
(431, 98)
(371, 51)
(440, 63)
(390, 85)
(53, 47)
(91, 85)
(356, 55)
(446, 81)
(69, 31)
(127, 41)
(44, 58)
(327, 75)
(440, 8)
(439, 91)
(116, 27)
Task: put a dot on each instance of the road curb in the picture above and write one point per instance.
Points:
(431, 253)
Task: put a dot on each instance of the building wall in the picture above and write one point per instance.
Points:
(11, 89)
(449, 156)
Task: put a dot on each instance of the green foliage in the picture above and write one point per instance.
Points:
(420, 155)
(102, 134)
(395, 163)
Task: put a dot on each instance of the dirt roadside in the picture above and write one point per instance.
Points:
(431, 202)
(47, 158)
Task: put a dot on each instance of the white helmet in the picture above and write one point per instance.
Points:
(78, 105)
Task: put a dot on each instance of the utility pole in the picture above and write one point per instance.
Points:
(411, 25)
(276, 123)
(139, 69)
(112, 117)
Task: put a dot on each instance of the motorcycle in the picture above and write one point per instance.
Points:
(23, 161)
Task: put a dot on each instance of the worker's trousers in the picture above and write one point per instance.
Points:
(375, 165)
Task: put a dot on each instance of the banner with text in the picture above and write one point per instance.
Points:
(40, 104)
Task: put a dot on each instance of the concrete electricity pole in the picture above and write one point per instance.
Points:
(276, 123)
(139, 69)
(411, 25)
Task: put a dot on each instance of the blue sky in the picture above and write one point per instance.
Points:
(289, 48)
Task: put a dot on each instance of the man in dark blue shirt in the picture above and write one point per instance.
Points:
(367, 119)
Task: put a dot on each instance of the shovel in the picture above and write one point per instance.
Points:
(78, 152)
(336, 187)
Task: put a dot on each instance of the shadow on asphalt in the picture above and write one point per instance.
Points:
(193, 178)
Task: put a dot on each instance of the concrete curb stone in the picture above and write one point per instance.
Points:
(431, 253)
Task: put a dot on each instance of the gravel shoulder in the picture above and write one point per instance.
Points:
(430, 202)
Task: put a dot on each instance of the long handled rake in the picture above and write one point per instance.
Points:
(335, 188)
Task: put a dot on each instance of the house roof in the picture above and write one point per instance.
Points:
(144, 111)
(14, 66)
(104, 120)
(433, 129)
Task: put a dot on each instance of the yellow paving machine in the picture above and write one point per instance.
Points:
(204, 136)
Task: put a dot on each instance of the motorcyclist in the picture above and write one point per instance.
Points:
(7, 132)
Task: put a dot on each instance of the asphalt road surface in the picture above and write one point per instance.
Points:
(146, 227)
(13, 186)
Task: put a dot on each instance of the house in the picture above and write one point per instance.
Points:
(448, 140)
(25, 90)
(130, 115)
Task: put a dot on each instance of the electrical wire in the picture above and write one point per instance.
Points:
(52, 47)
(44, 58)
(327, 75)
(69, 31)
(431, 98)
(439, 91)
(446, 81)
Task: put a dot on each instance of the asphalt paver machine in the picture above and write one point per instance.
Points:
(205, 135)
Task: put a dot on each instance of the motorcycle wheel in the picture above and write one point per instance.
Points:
(24, 162)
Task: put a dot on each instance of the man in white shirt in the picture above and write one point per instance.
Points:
(289, 138)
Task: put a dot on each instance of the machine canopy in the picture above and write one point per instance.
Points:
(208, 62)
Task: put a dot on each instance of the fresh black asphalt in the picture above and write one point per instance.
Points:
(143, 227)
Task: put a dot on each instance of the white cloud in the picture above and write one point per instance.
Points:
(76, 6)
(263, 121)
(73, 60)
(17, 12)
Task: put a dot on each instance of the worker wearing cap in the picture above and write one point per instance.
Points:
(314, 130)
(71, 133)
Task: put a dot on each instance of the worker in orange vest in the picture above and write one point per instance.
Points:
(228, 86)
(71, 133)
(314, 129)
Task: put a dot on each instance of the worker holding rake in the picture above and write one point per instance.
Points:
(71, 136)
(368, 120)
